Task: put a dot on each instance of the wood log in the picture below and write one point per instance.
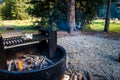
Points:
(9, 65)
(74, 77)
(71, 78)
(80, 76)
(42, 62)
(72, 68)
(68, 71)
(90, 76)
(66, 77)
(84, 78)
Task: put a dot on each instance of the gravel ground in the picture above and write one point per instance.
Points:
(94, 54)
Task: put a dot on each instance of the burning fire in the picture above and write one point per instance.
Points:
(19, 63)
(29, 62)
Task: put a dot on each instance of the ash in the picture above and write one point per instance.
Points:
(29, 62)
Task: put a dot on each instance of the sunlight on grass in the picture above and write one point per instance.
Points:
(21, 25)
(16, 22)
(98, 25)
(27, 25)
(115, 27)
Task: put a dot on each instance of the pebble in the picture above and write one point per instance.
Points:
(95, 54)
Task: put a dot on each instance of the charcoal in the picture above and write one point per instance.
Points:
(10, 64)
(30, 62)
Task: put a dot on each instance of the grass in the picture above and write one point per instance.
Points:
(27, 25)
(98, 25)
(21, 25)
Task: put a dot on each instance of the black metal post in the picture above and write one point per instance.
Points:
(3, 61)
(52, 42)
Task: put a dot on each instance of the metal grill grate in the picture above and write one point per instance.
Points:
(45, 39)
(7, 42)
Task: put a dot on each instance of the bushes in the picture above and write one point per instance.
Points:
(14, 10)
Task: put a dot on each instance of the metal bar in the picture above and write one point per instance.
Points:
(52, 43)
(13, 46)
(3, 61)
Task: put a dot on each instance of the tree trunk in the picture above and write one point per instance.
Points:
(107, 20)
(71, 15)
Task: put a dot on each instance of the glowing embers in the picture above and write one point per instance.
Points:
(29, 62)
(20, 65)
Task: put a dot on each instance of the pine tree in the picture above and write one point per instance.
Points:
(57, 11)
(15, 9)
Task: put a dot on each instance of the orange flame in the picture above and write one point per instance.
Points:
(20, 65)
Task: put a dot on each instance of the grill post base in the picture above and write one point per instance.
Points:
(52, 41)
(3, 61)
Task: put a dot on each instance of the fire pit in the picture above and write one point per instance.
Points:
(37, 58)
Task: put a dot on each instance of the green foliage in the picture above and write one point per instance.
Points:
(1, 9)
(115, 12)
(14, 9)
(101, 12)
(5, 10)
(98, 25)
(55, 11)
(50, 12)
(86, 10)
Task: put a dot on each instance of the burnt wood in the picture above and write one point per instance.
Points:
(43, 43)
(3, 61)
(53, 72)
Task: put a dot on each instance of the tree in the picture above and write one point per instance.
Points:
(83, 11)
(14, 9)
(101, 12)
(51, 13)
(107, 20)
(65, 11)
(18, 10)
(71, 15)
(6, 13)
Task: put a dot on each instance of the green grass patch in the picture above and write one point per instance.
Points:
(21, 25)
(98, 25)
(27, 25)
(16, 22)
